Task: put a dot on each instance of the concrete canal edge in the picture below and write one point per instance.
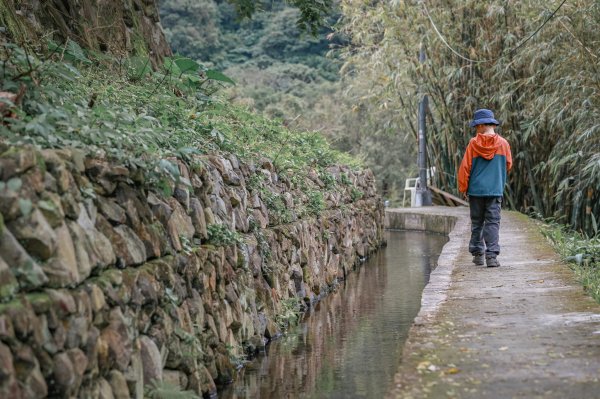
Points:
(526, 329)
(452, 222)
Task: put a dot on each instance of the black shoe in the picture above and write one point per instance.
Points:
(492, 261)
(478, 259)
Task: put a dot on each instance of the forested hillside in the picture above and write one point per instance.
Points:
(284, 72)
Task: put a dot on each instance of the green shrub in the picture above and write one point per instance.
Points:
(221, 235)
(291, 310)
(582, 253)
(142, 118)
(316, 203)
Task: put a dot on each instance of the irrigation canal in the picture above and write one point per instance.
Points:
(350, 345)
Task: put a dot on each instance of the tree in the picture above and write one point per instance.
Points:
(312, 12)
(546, 91)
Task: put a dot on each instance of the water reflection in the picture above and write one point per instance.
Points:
(350, 345)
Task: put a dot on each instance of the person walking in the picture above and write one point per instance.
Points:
(481, 178)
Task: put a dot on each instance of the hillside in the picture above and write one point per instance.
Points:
(284, 73)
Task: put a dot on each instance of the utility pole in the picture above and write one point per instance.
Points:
(423, 195)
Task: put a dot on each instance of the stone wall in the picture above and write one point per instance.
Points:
(107, 284)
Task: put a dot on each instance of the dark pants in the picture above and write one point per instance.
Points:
(485, 225)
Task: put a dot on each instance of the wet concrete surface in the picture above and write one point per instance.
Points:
(523, 330)
(350, 345)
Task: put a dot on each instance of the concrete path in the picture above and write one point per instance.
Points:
(524, 330)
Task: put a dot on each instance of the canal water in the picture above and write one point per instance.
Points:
(350, 345)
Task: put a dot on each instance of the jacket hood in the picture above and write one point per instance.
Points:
(486, 145)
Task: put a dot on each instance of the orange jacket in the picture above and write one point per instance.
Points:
(484, 166)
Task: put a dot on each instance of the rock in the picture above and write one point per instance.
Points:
(182, 194)
(97, 300)
(98, 171)
(96, 245)
(62, 270)
(176, 378)
(114, 344)
(28, 273)
(29, 374)
(106, 185)
(82, 249)
(84, 218)
(42, 336)
(257, 344)
(104, 390)
(225, 169)
(50, 183)
(224, 369)
(91, 348)
(64, 179)
(62, 302)
(201, 381)
(79, 362)
(111, 210)
(7, 332)
(198, 218)
(135, 376)
(9, 204)
(35, 234)
(272, 331)
(77, 332)
(64, 375)
(179, 225)
(151, 237)
(128, 248)
(51, 208)
(6, 362)
(70, 206)
(8, 283)
(33, 183)
(136, 251)
(137, 211)
(151, 360)
(209, 216)
(16, 161)
(118, 383)
(160, 209)
(9, 385)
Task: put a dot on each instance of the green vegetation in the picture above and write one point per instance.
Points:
(291, 310)
(546, 92)
(582, 253)
(285, 74)
(221, 235)
(312, 12)
(280, 70)
(139, 117)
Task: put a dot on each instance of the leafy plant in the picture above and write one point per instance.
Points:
(236, 355)
(263, 247)
(146, 123)
(582, 252)
(221, 235)
(291, 310)
(356, 194)
(316, 203)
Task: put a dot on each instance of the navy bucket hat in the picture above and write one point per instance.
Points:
(483, 117)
